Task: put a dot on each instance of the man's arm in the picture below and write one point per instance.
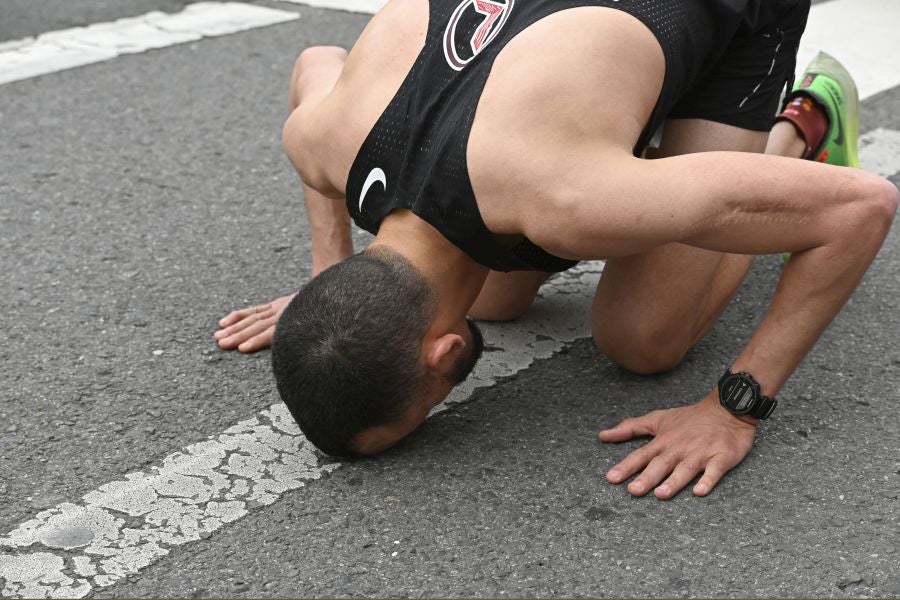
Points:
(833, 219)
(330, 231)
(315, 73)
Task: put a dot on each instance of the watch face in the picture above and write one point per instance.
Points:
(738, 394)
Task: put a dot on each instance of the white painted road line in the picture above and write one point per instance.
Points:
(126, 525)
(862, 34)
(68, 48)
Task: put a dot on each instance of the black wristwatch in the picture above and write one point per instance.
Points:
(739, 394)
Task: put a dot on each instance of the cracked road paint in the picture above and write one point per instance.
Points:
(561, 316)
(126, 525)
(68, 48)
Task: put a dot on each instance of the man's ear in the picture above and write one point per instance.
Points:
(441, 353)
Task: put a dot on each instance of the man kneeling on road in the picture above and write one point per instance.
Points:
(488, 143)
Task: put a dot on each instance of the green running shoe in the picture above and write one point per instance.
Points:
(828, 83)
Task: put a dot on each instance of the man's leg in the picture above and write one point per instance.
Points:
(506, 296)
(684, 443)
(785, 141)
(251, 328)
(657, 331)
(651, 308)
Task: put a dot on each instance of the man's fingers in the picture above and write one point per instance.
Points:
(251, 329)
(714, 471)
(655, 472)
(680, 477)
(630, 428)
(259, 341)
(248, 321)
(236, 315)
(632, 463)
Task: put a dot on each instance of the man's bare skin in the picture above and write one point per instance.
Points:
(678, 232)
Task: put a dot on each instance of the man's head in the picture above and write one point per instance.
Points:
(356, 358)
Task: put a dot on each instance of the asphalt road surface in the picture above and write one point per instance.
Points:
(145, 196)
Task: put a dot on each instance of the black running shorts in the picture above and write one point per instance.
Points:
(745, 86)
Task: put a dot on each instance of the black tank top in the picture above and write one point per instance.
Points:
(415, 156)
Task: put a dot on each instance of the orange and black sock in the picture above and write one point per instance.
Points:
(810, 120)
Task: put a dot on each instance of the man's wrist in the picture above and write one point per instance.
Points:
(745, 418)
(713, 401)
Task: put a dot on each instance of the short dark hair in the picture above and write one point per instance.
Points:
(346, 349)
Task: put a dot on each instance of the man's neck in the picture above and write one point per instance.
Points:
(451, 273)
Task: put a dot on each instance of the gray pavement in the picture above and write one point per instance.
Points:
(505, 495)
(142, 198)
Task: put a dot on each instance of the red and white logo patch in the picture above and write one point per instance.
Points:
(473, 25)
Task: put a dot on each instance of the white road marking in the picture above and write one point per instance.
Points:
(862, 34)
(68, 48)
(124, 526)
(128, 524)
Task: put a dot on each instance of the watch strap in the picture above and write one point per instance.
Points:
(763, 406)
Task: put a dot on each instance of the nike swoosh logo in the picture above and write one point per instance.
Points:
(836, 99)
(376, 175)
(840, 135)
(839, 138)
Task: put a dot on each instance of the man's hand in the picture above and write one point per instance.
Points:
(251, 329)
(686, 440)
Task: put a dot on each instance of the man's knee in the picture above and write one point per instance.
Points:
(307, 63)
(640, 348)
(315, 55)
